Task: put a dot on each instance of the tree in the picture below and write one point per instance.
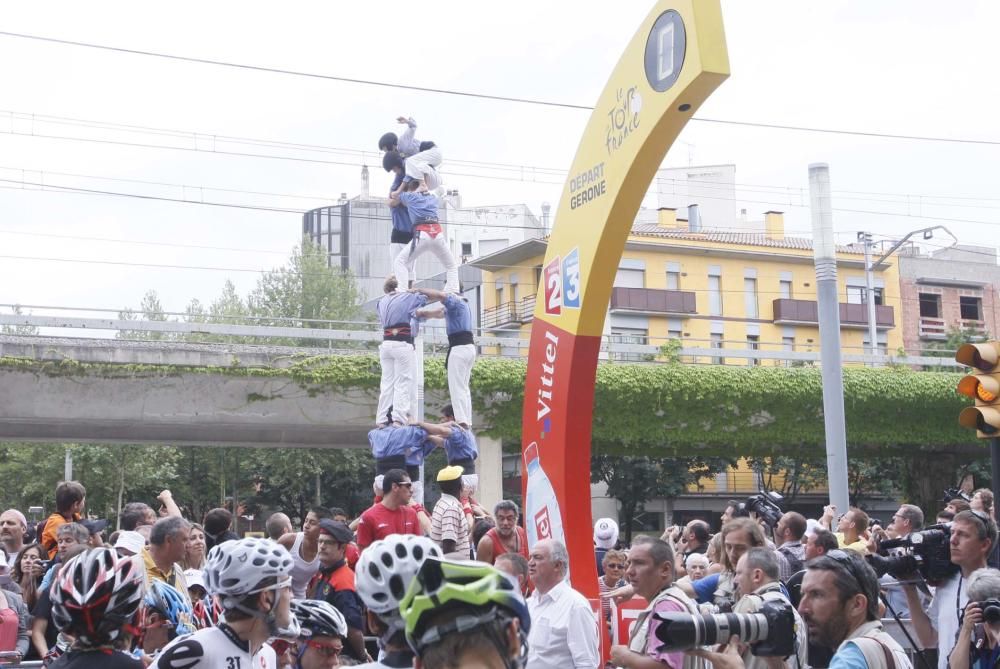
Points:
(789, 475)
(634, 480)
(150, 309)
(305, 290)
(955, 337)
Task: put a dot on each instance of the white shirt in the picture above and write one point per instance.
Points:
(563, 630)
(950, 599)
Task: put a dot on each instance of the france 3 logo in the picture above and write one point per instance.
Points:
(563, 283)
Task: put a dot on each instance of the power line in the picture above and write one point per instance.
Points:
(484, 96)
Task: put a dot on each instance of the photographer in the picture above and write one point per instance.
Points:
(840, 607)
(757, 582)
(978, 644)
(907, 520)
(788, 538)
(738, 536)
(972, 536)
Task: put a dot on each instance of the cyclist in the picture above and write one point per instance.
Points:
(323, 634)
(465, 614)
(385, 571)
(166, 616)
(95, 599)
(252, 580)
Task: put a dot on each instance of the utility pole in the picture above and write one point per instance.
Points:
(68, 465)
(866, 238)
(825, 258)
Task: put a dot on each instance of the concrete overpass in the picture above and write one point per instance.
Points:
(165, 393)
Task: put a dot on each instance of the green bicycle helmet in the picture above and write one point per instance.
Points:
(468, 587)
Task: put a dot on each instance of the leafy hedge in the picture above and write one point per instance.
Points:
(668, 409)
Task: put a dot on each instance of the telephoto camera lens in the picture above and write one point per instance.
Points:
(770, 632)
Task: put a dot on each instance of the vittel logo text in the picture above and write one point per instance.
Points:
(546, 378)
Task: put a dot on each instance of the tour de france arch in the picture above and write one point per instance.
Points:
(676, 59)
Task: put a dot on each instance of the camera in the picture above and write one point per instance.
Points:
(927, 551)
(770, 632)
(767, 505)
(991, 610)
(954, 493)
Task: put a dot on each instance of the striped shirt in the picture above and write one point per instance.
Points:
(448, 523)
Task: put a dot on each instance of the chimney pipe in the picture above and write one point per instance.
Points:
(774, 224)
(694, 218)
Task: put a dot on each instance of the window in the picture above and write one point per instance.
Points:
(970, 308)
(620, 335)
(674, 334)
(673, 280)
(930, 305)
(715, 295)
(785, 288)
(750, 297)
(630, 278)
(753, 343)
(513, 291)
(466, 248)
(788, 343)
(858, 295)
(716, 342)
(499, 294)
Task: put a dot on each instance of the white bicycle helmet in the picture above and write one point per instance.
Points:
(386, 569)
(319, 618)
(235, 569)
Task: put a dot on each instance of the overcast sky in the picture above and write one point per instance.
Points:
(902, 67)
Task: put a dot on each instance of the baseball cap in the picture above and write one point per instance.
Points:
(130, 541)
(94, 526)
(195, 577)
(452, 473)
(336, 529)
(605, 533)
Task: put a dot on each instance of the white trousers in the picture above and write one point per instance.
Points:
(460, 362)
(394, 251)
(424, 166)
(424, 243)
(397, 375)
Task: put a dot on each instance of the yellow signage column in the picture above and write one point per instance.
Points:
(676, 59)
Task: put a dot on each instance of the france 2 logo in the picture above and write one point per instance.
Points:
(562, 283)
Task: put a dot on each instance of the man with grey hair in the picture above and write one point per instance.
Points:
(651, 573)
(13, 527)
(167, 545)
(277, 525)
(506, 537)
(908, 519)
(563, 626)
(757, 582)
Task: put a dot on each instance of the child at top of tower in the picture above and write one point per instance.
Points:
(410, 158)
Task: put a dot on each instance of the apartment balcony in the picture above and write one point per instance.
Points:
(509, 315)
(937, 328)
(653, 301)
(806, 312)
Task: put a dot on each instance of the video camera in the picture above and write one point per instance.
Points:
(927, 551)
(767, 505)
(955, 493)
(770, 632)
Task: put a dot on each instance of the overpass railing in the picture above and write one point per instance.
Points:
(364, 336)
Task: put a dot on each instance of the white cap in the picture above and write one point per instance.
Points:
(194, 577)
(605, 533)
(131, 541)
(812, 526)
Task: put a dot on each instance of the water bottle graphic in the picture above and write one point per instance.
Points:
(544, 521)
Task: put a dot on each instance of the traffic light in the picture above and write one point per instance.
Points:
(983, 385)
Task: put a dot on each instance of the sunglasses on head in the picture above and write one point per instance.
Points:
(406, 484)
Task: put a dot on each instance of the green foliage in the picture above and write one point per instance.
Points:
(955, 336)
(795, 474)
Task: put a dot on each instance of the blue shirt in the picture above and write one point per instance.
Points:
(418, 449)
(397, 308)
(849, 656)
(422, 206)
(400, 215)
(704, 588)
(457, 314)
(461, 445)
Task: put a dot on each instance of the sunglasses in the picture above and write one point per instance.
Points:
(615, 565)
(844, 560)
(406, 484)
(280, 646)
(327, 649)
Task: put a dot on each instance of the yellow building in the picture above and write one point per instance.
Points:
(711, 290)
